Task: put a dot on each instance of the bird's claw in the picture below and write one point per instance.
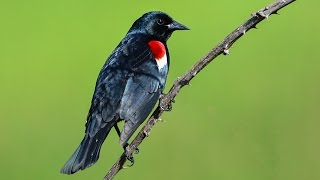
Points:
(131, 159)
(136, 151)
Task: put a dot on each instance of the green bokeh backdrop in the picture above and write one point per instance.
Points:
(252, 115)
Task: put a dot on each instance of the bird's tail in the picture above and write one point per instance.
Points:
(87, 153)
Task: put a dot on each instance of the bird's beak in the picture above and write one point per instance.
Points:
(177, 26)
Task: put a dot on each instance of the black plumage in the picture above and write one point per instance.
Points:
(127, 88)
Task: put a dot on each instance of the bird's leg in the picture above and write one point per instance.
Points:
(117, 129)
(165, 107)
(136, 151)
(129, 157)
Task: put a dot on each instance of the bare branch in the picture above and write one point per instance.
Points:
(165, 101)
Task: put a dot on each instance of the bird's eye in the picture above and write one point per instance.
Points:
(160, 21)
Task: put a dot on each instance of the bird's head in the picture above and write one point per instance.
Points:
(157, 25)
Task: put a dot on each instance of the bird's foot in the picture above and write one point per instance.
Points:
(130, 157)
(165, 106)
(136, 151)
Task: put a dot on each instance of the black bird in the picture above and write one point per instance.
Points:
(129, 85)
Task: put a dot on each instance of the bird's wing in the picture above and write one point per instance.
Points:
(141, 94)
(106, 100)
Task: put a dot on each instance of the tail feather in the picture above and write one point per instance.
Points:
(87, 153)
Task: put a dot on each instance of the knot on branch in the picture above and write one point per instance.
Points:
(165, 102)
(184, 82)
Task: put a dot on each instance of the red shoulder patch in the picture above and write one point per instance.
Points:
(157, 48)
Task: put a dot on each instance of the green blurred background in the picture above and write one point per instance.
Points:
(252, 115)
